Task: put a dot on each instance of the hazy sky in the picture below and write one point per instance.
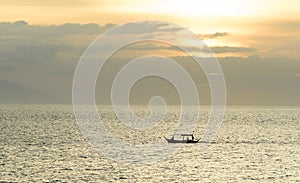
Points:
(257, 42)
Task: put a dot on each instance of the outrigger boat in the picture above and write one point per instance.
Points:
(185, 139)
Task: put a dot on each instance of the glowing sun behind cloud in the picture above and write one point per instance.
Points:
(194, 8)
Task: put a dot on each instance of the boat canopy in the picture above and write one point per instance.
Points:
(184, 135)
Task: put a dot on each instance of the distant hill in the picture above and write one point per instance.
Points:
(12, 93)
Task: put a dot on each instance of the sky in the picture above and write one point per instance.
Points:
(256, 42)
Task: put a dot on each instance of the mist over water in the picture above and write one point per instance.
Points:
(44, 143)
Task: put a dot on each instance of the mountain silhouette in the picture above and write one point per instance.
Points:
(12, 93)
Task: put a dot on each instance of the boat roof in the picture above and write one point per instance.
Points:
(186, 134)
(183, 135)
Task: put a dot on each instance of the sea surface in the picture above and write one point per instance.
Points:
(43, 143)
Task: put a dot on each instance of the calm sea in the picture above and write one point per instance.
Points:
(43, 143)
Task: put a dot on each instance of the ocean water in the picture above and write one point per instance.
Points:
(43, 143)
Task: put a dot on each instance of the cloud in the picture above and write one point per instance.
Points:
(280, 26)
(44, 58)
(230, 49)
(151, 46)
(213, 36)
(154, 46)
(276, 38)
(222, 49)
(257, 80)
(206, 49)
(141, 27)
(22, 44)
